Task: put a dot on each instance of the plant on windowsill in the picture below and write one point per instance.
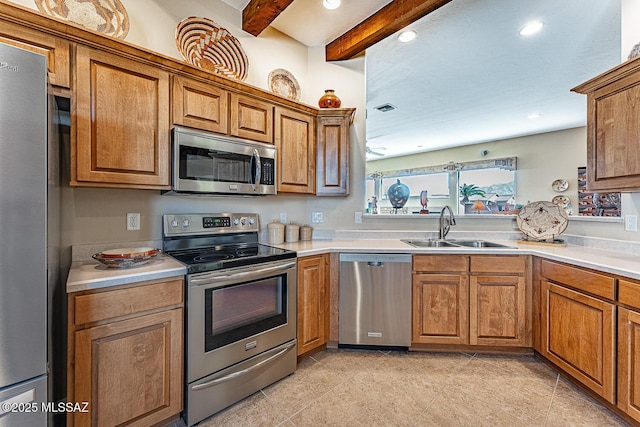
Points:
(468, 190)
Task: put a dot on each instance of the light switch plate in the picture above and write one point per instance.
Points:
(316, 217)
(358, 217)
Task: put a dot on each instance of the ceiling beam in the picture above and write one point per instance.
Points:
(258, 14)
(391, 18)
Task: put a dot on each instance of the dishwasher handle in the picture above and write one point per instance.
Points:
(375, 264)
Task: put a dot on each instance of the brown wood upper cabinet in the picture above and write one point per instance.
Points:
(57, 50)
(200, 105)
(332, 151)
(613, 128)
(120, 122)
(295, 142)
(126, 353)
(578, 328)
(251, 118)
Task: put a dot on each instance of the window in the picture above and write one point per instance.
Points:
(480, 187)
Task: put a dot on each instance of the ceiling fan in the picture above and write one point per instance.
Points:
(374, 153)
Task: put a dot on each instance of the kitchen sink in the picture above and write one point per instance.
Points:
(429, 243)
(480, 244)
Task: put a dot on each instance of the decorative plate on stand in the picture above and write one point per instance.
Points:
(542, 220)
(282, 82)
(206, 45)
(105, 16)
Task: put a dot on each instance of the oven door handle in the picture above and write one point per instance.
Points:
(241, 275)
(237, 374)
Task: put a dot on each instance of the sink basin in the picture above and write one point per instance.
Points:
(480, 244)
(431, 243)
(428, 243)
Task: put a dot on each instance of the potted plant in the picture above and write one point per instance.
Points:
(468, 190)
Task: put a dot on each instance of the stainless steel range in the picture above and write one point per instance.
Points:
(240, 308)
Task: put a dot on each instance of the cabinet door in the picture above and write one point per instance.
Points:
(55, 49)
(332, 148)
(440, 309)
(579, 333)
(497, 310)
(251, 118)
(313, 303)
(121, 113)
(295, 142)
(200, 105)
(629, 362)
(130, 371)
(613, 136)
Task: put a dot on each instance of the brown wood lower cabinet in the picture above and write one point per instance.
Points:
(313, 302)
(578, 329)
(477, 300)
(629, 362)
(125, 359)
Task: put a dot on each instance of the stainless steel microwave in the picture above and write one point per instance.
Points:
(206, 163)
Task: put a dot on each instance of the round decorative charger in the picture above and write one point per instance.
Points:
(206, 45)
(282, 82)
(542, 220)
(105, 16)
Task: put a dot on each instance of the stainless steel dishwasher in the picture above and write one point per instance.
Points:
(375, 300)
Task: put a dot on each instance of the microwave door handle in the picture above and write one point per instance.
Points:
(255, 159)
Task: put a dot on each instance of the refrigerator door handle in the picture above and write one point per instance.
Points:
(15, 401)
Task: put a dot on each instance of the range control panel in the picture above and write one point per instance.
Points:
(219, 223)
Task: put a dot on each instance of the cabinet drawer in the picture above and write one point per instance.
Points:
(587, 281)
(435, 263)
(629, 293)
(97, 306)
(498, 264)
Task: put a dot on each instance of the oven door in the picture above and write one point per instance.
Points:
(208, 163)
(238, 313)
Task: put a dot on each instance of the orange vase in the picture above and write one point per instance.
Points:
(329, 100)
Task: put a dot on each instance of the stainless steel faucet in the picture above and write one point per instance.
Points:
(446, 223)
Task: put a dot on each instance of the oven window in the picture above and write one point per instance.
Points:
(214, 165)
(241, 310)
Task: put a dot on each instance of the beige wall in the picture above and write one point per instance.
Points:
(98, 215)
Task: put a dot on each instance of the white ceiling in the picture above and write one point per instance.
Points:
(470, 77)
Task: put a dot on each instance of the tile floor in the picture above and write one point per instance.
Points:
(374, 388)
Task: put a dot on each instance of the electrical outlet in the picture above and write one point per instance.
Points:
(133, 221)
(631, 222)
(358, 217)
(283, 217)
(316, 217)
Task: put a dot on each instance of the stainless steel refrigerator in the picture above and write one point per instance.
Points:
(25, 266)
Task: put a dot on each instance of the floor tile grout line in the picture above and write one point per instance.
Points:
(553, 395)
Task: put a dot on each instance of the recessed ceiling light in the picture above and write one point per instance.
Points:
(407, 36)
(331, 4)
(534, 116)
(531, 28)
(385, 107)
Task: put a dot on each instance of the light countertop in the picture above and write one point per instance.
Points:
(89, 274)
(614, 262)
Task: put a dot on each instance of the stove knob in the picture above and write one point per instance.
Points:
(252, 221)
(235, 221)
(186, 222)
(244, 221)
(174, 223)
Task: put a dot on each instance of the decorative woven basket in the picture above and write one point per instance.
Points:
(104, 16)
(206, 45)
